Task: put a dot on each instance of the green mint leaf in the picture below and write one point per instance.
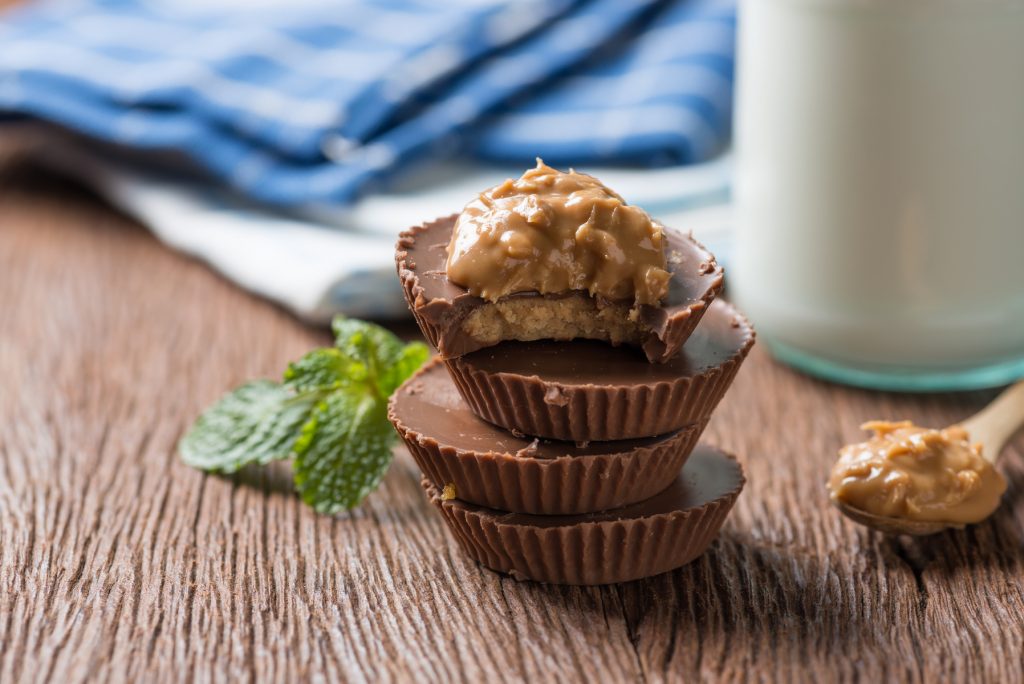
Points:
(365, 342)
(412, 356)
(323, 369)
(330, 413)
(388, 361)
(343, 452)
(257, 423)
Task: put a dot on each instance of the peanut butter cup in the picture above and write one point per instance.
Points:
(552, 454)
(590, 391)
(457, 322)
(643, 539)
(485, 465)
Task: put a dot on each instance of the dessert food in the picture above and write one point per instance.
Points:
(582, 354)
(916, 473)
(586, 390)
(646, 538)
(532, 287)
(551, 232)
(486, 465)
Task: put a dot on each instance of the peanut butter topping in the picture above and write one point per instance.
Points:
(552, 232)
(906, 471)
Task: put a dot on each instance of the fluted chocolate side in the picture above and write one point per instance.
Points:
(592, 411)
(584, 552)
(560, 486)
(491, 467)
(535, 405)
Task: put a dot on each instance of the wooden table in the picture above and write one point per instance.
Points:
(117, 562)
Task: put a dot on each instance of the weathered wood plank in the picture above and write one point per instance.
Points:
(117, 562)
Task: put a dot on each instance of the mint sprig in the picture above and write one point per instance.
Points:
(329, 414)
(256, 423)
(343, 451)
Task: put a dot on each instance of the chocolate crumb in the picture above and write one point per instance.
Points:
(555, 396)
(530, 450)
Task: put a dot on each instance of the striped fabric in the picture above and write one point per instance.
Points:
(311, 104)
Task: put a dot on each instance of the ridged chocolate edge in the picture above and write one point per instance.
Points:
(594, 412)
(568, 485)
(410, 281)
(588, 553)
(658, 345)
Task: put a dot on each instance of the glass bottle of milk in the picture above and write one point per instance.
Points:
(880, 188)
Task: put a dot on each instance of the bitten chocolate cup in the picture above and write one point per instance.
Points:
(585, 390)
(491, 467)
(647, 538)
(458, 323)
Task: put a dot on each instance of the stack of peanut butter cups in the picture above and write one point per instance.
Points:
(572, 461)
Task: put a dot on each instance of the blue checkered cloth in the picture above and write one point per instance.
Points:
(315, 103)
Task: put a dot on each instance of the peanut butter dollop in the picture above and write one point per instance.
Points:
(552, 232)
(906, 471)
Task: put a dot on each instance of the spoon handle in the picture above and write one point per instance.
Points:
(996, 423)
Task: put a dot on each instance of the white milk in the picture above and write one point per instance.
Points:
(880, 187)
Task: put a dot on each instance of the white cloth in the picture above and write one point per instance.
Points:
(347, 265)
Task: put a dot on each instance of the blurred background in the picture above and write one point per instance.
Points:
(287, 144)
(849, 161)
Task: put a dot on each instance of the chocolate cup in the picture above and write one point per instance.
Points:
(494, 468)
(586, 390)
(440, 306)
(641, 540)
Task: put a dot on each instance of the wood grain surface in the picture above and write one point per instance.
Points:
(119, 563)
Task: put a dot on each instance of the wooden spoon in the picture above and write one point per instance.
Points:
(992, 427)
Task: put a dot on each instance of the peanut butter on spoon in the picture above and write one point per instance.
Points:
(907, 471)
(908, 479)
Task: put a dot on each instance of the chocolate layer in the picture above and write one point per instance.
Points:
(644, 539)
(494, 468)
(440, 307)
(585, 390)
